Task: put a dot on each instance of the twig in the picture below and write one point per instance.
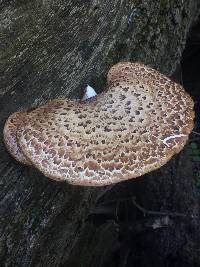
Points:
(134, 228)
(106, 210)
(157, 213)
(196, 133)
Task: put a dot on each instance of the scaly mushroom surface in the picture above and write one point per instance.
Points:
(10, 136)
(11, 127)
(17, 118)
(134, 127)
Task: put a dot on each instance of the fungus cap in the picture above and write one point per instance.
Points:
(136, 126)
(17, 118)
(12, 125)
(10, 136)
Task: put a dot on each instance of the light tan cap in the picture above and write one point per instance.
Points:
(136, 126)
(10, 136)
(12, 125)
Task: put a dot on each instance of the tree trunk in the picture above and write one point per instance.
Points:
(54, 48)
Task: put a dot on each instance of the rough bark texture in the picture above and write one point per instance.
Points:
(53, 48)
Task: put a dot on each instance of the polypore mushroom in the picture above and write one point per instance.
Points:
(10, 136)
(10, 131)
(134, 127)
(17, 118)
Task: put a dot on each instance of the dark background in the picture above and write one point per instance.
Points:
(138, 244)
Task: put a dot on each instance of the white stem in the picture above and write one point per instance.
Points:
(89, 92)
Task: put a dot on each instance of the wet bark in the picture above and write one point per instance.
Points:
(54, 48)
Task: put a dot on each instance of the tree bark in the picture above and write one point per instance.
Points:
(54, 48)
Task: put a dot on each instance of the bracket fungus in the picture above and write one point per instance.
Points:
(10, 136)
(11, 126)
(134, 127)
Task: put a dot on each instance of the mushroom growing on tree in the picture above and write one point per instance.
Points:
(10, 136)
(17, 118)
(134, 127)
(11, 127)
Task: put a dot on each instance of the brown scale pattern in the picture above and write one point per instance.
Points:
(113, 137)
(13, 124)
(10, 136)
